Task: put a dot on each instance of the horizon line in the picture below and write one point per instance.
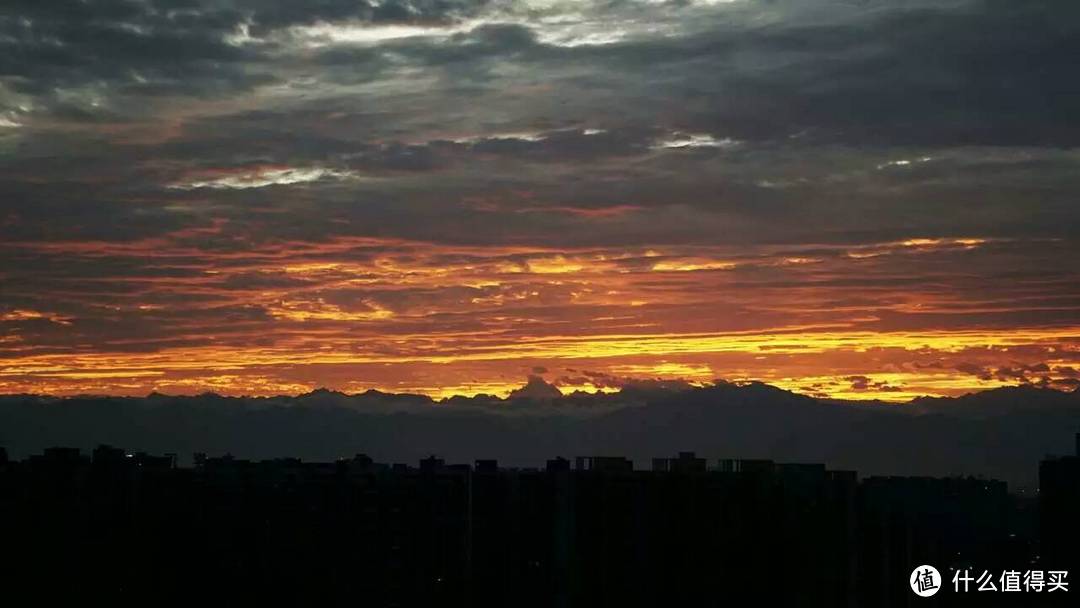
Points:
(510, 397)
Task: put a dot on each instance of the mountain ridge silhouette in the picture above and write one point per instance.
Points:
(1000, 433)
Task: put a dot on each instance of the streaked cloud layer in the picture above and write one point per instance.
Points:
(868, 199)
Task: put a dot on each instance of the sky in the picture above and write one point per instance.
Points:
(869, 199)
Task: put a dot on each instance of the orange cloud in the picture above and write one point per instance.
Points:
(183, 310)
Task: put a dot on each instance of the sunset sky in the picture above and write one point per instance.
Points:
(860, 199)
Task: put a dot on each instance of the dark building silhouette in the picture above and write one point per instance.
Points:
(1059, 511)
(685, 462)
(557, 464)
(603, 464)
(133, 529)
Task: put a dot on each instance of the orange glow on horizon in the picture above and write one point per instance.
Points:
(400, 315)
(252, 371)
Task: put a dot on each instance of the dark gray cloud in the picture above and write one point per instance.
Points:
(911, 73)
(79, 57)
